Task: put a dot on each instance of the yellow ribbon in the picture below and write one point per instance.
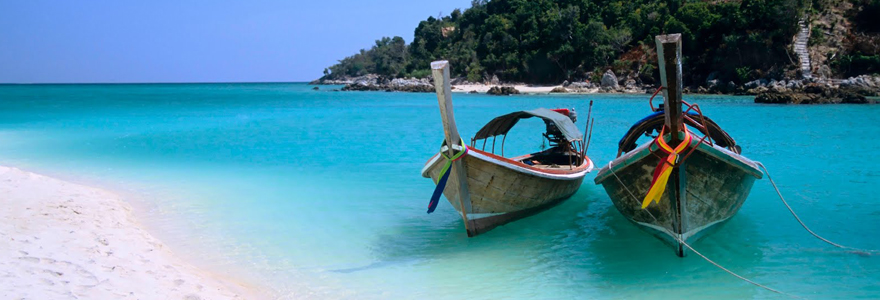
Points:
(661, 175)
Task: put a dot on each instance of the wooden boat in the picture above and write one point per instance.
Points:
(497, 189)
(708, 179)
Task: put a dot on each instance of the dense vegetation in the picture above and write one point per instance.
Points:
(544, 41)
(863, 43)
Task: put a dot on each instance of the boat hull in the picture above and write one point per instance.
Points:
(713, 184)
(502, 191)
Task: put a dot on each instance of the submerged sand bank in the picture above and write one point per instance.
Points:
(66, 241)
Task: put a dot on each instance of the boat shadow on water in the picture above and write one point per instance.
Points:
(441, 235)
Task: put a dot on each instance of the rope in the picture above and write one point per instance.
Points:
(695, 250)
(856, 250)
(651, 100)
(444, 172)
(664, 168)
(734, 274)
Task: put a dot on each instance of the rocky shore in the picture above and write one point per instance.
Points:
(372, 82)
(853, 90)
(792, 91)
(816, 94)
(609, 83)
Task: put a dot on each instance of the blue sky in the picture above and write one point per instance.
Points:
(194, 41)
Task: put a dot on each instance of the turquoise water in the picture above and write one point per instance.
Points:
(318, 193)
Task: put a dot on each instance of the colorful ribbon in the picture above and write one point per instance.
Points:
(664, 169)
(444, 174)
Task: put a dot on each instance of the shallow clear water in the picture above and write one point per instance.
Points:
(318, 193)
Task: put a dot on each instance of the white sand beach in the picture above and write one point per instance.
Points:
(522, 88)
(67, 241)
(483, 88)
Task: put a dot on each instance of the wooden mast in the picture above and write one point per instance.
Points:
(440, 70)
(669, 57)
(669, 54)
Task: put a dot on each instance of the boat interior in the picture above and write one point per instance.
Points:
(551, 159)
(564, 152)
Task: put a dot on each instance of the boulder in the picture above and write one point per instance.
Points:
(458, 80)
(784, 98)
(712, 76)
(580, 85)
(421, 85)
(411, 84)
(756, 90)
(778, 88)
(756, 83)
(752, 84)
(502, 90)
(360, 86)
(494, 80)
(558, 89)
(609, 80)
(713, 84)
(859, 90)
(824, 71)
(863, 84)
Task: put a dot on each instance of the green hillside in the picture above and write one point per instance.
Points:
(542, 41)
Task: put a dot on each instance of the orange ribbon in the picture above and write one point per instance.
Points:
(664, 169)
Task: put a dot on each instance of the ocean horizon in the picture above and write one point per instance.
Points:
(318, 194)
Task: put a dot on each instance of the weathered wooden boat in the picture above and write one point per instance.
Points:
(690, 178)
(496, 189)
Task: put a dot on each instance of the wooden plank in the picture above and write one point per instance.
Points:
(440, 70)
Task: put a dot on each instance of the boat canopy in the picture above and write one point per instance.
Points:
(501, 125)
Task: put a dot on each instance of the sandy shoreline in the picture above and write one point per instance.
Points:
(483, 88)
(67, 241)
(531, 89)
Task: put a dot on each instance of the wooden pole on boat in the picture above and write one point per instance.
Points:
(669, 57)
(440, 70)
(669, 54)
(588, 132)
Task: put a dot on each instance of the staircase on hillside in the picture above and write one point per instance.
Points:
(800, 47)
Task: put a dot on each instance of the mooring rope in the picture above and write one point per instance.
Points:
(695, 250)
(857, 250)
